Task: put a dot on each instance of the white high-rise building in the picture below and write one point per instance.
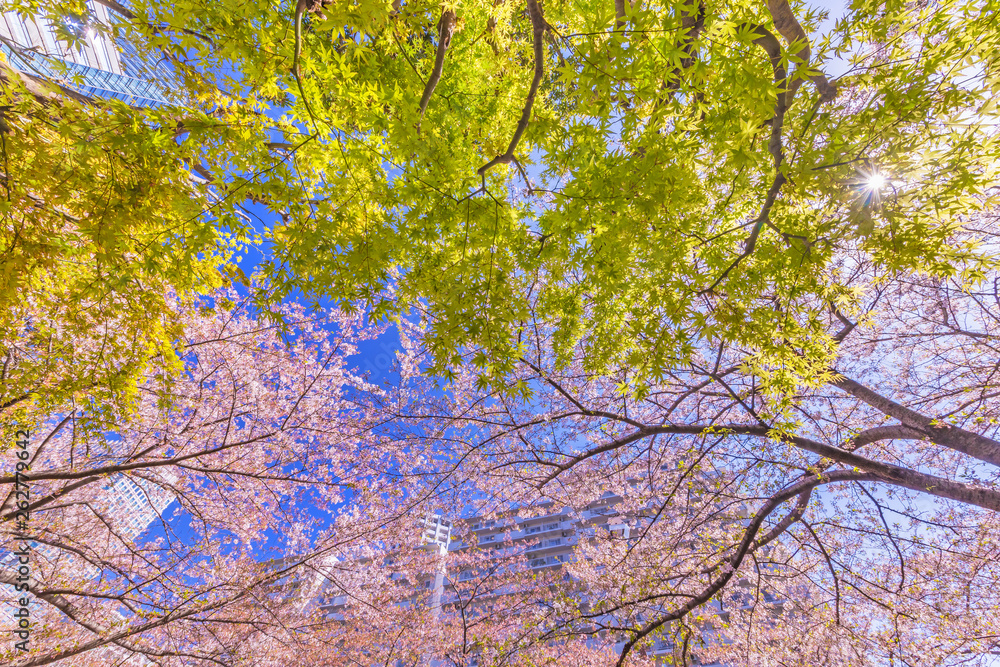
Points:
(134, 503)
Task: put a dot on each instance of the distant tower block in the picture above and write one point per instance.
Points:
(436, 530)
(435, 537)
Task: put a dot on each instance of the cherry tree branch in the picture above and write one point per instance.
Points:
(946, 435)
(58, 600)
(786, 522)
(189, 611)
(829, 564)
(745, 547)
(886, 472)
(580, 406)
(38, 450)
(136, 465)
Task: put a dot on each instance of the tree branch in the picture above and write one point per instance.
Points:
(538, 25)
(734, 562)
(446, 28)
(886, 472)
(785, 523)
(157, 463)
(43, 90)
(692, 22)
(789, 28)
(767, 41)
(126, 13)
(946, 435)
(301, 6)
(619, 14)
